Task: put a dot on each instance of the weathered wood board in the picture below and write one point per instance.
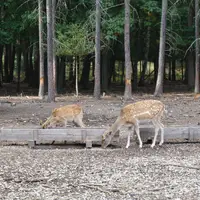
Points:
(84, 135)
(90, 135)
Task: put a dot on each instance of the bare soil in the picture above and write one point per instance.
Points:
(167, 172)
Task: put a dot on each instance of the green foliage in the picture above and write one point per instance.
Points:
(74, 39)
(114, 26)
(150, 6)
(17, 19)
(29, 19)
(76, 25)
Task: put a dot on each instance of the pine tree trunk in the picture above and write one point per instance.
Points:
(9, 61)
(6, 63)
(122, 75)
(97, 73)
(12, 63)
(128, 66)
(112, 71)
(51, 87)
(26, 63)
(54, 45)
(25, 59)
(1, 64)
(135, 77)
(71, 75)
(61, 74)
(173, 70)
(155, 70)
(76, 68)
(41, 49)
(18, 67)
(105, 65)
(30, 68)
(190, 69)
(170, 71)
(144, 66)
(85, 72)
(159, 83)
(36, 67)
(196, 90)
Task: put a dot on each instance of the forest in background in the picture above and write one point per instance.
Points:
(103, 45)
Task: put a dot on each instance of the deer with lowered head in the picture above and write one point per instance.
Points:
(151, 110)
(65, 114)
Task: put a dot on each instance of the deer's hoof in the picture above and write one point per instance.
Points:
(160, 143)
(152, 146)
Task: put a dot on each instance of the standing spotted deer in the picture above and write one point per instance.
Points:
(69, 113)
(131, 114)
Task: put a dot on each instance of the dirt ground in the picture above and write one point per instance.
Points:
(29, 111)
(167, 172)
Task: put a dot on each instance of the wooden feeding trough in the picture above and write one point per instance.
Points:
(92, 135)
(33, 136)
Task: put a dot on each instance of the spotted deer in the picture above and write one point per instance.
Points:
(65, 114)
(196, 96)
(151, 110)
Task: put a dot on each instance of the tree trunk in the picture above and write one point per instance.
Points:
(71, 74)
(76, 68)
(54, 45)
(1, 63)
(173, 70)
(122, 75)
(36, 67)
(155, 70)
(30, 71)
(128, 65)
(25, 58)
(41, 49)
(189, 73)
(170, 71)
(159, 83)
(105, 65)
(196, 89)
(97, 73)
(18, 67)
(112, 71)
(6, 63)
(12, 63)
(138, 57)
(85, 72)
(135, 70)
(144, 66)
(51, 86)
(61, 74)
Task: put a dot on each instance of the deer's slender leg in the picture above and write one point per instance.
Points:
(137, 130)
(129, 136)
(161, 133)
(78, 121)
(157, 127)
(128, 140)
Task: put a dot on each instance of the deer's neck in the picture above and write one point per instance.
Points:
(117, 125)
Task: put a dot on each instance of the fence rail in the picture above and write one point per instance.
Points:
(90, 135)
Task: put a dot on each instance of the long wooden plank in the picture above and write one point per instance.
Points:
(68, 134)
(190, 133)
(194, 133)
(16, 134)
